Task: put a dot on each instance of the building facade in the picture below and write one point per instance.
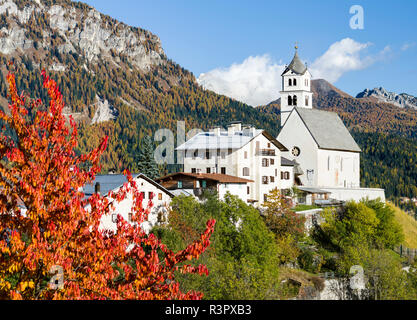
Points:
(318, 140)
(239, 151)
(151, 192)
(195, 184)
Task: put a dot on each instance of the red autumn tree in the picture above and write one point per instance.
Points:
(47, 224)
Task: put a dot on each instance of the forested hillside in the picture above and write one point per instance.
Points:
(98, 61)
(147, 97)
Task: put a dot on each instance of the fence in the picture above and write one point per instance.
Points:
(406, 252)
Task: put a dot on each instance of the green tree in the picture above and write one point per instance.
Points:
(146, 163)
(243, 259)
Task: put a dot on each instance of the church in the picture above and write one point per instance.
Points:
(318, 140)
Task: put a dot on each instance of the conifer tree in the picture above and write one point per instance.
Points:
(145, 161)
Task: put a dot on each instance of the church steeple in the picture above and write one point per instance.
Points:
(296, 90)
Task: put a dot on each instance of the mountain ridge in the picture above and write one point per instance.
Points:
(128, 100)
(402, 100)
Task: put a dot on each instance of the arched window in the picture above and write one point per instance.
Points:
(289, 82)
(294, 82)
(245, 171)
(294, 100)
(289, 101)
(307, 101)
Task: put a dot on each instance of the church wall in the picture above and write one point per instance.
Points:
(338, 169)
(295, 134)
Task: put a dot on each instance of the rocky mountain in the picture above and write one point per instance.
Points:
(76, 27)
(115, 79)
(401, 100)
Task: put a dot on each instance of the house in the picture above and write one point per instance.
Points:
(240, 151)
(318, 140)
(196, 183)
(151, 191)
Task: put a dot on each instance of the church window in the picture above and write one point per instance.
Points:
(328, 163)
(310, 175)
(306, 101)
(294, 82)
(289, 100)
(295, 151)
(294, 100)
(289, 82)
(246, 171)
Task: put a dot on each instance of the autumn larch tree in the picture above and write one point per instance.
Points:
(47, 223)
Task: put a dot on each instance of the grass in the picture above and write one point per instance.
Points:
(409, 225)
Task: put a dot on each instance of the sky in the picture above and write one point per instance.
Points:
(240, 47)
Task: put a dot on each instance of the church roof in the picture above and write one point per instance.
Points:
(327, 129)
(296, 65)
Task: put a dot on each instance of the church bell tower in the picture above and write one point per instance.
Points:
(296, 87)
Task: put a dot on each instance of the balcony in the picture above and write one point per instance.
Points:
(265, 152)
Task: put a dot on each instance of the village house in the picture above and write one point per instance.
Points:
(151, 191)
(196, 183)
(240, 151)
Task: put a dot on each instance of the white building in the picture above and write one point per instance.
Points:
(318, 140)
(151, 191)
(194, 184)
(244, 152)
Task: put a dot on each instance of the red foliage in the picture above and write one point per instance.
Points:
(59, 226)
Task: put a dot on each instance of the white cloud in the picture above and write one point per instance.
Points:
(257, 80)
(407, 45)
(341, 57)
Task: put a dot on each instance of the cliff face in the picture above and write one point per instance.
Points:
(402, 100)
(79, 28)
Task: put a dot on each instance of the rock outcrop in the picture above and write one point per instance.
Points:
(402, 100)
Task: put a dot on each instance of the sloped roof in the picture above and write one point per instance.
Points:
(327, 129)
(210, 140)
(296, 65)
(287, 162)
(110, 182)
(221, 178)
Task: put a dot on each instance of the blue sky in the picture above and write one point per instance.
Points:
(208, 37)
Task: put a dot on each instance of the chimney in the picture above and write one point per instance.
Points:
(234, 127)
(216, 131)
(97, 187)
